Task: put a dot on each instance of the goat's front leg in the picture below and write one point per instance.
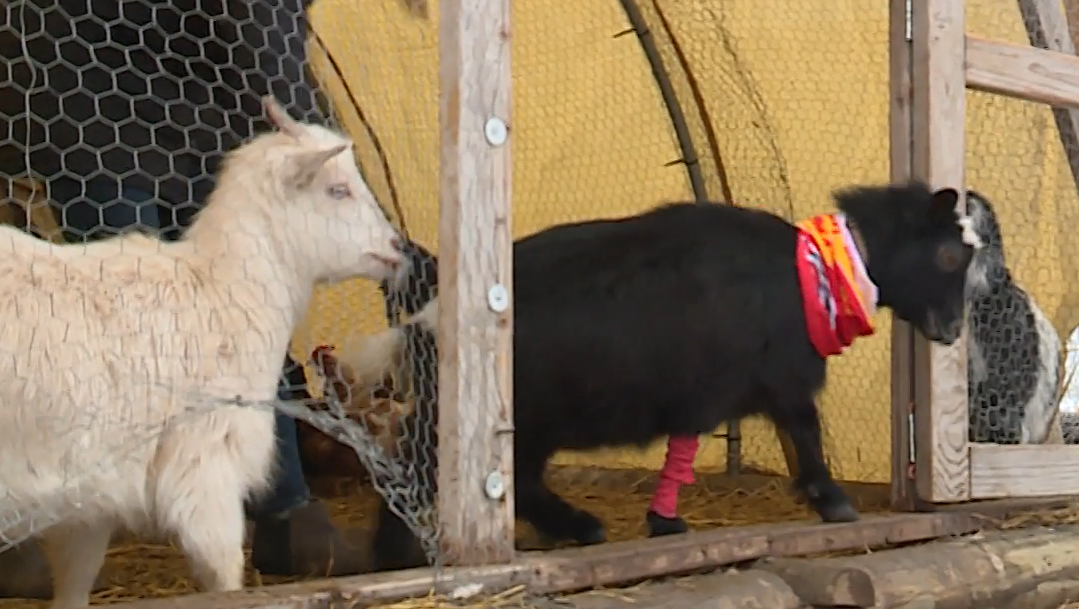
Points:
(76, 552)
(801, 422)
(677, 470)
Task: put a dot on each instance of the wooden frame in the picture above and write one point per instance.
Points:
(904, 495)
(475, 452)
(604, 565)
(948, 469)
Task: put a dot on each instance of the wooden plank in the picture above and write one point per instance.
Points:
(1071, 11)
(904, 494)
(1022, 72)
(998, 510)
(1047, 28)
(988, 571)
(938, 106)
(626, 562)
(354, 592)
(1020, 558)
(1028, 470)
(475, 243)
(749, 589)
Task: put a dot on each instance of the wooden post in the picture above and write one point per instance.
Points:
(938, 105)
(904, 494)
(475, 481)
(1047, 28)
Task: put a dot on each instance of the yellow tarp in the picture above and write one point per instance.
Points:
(796, 97)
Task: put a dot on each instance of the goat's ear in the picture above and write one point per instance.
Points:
(306, 165)
(280, 118)
(944, 202)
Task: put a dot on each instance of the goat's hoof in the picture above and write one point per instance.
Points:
(838, 511)
(592, 537)
(659, 526)
(829, 501)
(588, 529)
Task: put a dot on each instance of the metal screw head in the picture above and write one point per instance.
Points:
(495, 131)
(494, 485)
(498, 298)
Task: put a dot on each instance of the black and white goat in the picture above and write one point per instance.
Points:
(1014, 353)
(673, 321)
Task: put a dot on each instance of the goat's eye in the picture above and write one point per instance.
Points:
(339, 191)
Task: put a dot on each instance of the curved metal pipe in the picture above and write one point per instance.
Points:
(670, 98)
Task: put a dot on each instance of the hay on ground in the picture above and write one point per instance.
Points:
(141, 570)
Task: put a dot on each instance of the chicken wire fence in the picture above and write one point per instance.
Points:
(734, 101)
(117, 115)
(1023, 159)
(107, 105)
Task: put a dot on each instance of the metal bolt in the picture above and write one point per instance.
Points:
(494, 485)
(498, 298)
(495, 131)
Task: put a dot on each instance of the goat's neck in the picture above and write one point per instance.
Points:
(243, 250)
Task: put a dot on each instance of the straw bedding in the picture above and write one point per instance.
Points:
(143, 570)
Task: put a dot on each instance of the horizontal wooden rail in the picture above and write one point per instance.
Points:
(1023, 72)
(1031, 470)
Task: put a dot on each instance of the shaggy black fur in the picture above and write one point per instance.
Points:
(679, 319)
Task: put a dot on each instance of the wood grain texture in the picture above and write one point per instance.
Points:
(1022, 71)
(626, 562)
(988, 570)
(904, 494)
(475, 243)
(1029, 470)
(938, 106)
(1048, 28)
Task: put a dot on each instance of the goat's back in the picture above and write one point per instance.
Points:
(665, 323)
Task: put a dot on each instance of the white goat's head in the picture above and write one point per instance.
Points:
(318, 205)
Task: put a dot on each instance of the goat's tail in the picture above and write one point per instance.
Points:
(373, 357)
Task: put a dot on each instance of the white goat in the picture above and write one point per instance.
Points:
(1014, 351)
(107, 339)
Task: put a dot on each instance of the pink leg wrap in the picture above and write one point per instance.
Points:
(677, 470)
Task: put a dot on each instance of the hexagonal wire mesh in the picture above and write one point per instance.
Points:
(774, 110)
(118, 118)
(1024, 177)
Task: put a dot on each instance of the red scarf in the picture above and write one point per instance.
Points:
(837, 296)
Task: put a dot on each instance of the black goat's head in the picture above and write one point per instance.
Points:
(987, 268)
(416, 284)
(918, 249)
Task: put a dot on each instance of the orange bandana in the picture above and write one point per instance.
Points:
(837, 295)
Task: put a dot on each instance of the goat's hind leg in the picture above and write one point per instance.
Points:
(206, 513)
(549, 513)
(801, 421)
(76, 552)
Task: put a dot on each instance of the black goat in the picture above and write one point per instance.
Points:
(1014, 363)
(676, 320)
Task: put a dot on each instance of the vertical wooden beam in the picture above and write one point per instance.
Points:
(1071, 13)
(1048, 28)
(938, 105)
(904, 495)
(475, 481)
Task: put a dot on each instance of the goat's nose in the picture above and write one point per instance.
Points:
(398, 244)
